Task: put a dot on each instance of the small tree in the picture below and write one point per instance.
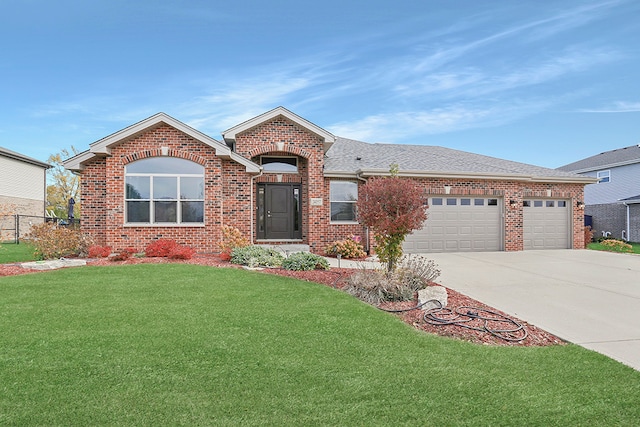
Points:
(62, 185)
(392, 207)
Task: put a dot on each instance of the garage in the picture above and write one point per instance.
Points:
(546, 224)
(458, 224)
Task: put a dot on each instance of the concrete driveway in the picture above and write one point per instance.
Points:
(586, 297)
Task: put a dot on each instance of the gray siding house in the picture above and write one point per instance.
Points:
(23, 190)
(614, 201)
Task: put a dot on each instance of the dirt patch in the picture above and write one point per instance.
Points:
(336, 278)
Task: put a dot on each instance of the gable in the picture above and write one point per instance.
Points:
(230, 135)
(104, 146)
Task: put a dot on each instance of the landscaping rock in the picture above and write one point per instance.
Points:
(53, 264)
(438, 293)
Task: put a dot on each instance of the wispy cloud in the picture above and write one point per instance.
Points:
(403, 125)
(616, 107)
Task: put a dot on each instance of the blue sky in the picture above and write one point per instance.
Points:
(540, 82)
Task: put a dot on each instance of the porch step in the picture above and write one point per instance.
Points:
(288, 249)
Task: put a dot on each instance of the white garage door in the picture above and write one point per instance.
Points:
(458, 224)
(546, 224)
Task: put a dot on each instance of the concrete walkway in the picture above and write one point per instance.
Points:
(589, 298)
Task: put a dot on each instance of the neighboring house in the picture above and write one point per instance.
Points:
(23, 183)
(281, 179)
(613, 202)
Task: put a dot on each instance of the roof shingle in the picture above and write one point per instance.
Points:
(348, 155)
(618, 157)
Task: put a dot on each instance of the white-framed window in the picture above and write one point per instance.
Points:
(275, 164)
(344, 197)
(604, 176)
(164, 191)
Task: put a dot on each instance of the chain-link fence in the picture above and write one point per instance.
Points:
(14, 228)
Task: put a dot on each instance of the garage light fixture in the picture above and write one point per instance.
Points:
(513, 203)
(580, 204)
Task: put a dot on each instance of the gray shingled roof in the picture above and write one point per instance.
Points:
(348, 156)
(621, 156)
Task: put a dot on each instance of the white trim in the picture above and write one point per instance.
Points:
(602, 174)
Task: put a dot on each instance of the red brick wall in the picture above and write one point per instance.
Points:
(226, 193)
(230, 191)
(280, 136)
(506, 190)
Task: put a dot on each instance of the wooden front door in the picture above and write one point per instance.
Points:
(279, 212)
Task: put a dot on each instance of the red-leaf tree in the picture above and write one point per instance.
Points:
(392, 207)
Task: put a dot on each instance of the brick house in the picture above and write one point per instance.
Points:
(281, 179)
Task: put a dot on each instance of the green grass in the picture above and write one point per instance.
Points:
(600, 247)
(10, 252)
(191, 345)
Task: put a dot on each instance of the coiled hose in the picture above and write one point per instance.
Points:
(475, 318)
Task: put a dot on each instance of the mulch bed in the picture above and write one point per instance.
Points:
(336, 278)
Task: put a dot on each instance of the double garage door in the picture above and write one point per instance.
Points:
(474, 224)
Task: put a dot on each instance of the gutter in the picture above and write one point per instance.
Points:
(366, 229)
(366, 173)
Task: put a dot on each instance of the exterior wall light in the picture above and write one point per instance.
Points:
(513, 203)
(580, 204)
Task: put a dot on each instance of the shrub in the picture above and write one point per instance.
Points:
(305, 261)
(51, 241)
(616, 245)
(97, 251)
(375, 286)
(257, 256)
(231, 238)
(182, 252)
(588, 236)
(123, 255)
(347, 248)
(160, 248)
(417, 272)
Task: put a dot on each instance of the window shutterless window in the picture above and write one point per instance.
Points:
(344, 197)
(604, 176)
(279, 164)
(164, 190)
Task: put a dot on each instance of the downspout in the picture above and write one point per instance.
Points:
(366, 229)
(253, 207)
(628, 236)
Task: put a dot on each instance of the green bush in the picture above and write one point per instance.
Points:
(305, 261)
(257, 256)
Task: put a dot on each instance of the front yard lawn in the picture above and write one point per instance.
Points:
(11, 252)
(178, 344)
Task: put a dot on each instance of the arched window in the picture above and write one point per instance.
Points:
(164, 190)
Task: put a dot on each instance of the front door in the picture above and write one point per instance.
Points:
(279, 213)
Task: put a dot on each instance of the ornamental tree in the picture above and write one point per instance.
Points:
(392, 207)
